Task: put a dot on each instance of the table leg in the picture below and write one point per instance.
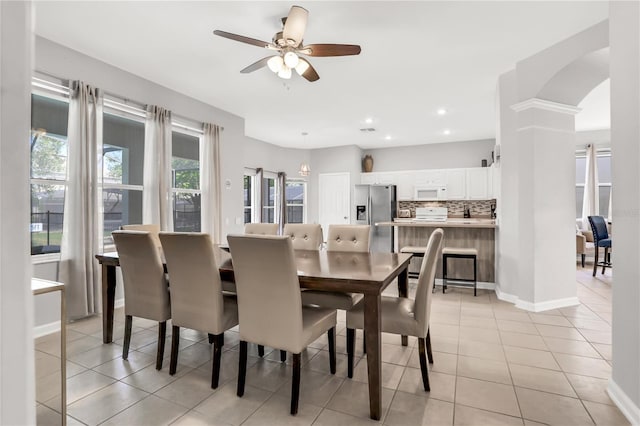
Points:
(372, 326)
(108, 300)
(63, 355)
(403, 291)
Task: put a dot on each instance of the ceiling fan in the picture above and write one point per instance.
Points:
(288, 45)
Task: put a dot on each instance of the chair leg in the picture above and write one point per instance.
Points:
(423, 364)
(364, 342)
(595, 261)
(295, 384)
(218, 343)
(283, 356)
(475, 276)
(127, 336)
(242, 367)
(583, 258)
(162, 334)
(444, 273)
(175, 343)
(606, 255)
(331, 336)
(260, 351)
(428, 343)
(351, 347)
(211, 338)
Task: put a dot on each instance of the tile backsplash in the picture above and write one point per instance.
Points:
(477, 208)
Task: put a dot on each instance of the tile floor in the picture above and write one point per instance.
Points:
(494, 365)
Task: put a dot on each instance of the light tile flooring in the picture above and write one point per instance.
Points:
(494, 365)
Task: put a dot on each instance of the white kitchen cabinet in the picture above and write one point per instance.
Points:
(405, 186)
(456, 184)
(478, 183)
(368, 178)
(430, 177)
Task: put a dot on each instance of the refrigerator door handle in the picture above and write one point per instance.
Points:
(369, 211)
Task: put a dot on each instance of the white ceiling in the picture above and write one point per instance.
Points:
(416, 57)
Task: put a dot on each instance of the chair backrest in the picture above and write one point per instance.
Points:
(151, 228)
(269, 302)
(304, 236)
(261, 229)
(146, 293)
(348, 238)
(196, 289)
(422, 308)
(599, 228)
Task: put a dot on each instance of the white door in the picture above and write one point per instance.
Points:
(334, 202)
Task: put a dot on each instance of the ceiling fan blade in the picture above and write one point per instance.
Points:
(243, 39)
(295, 26)
(306, 70)
(256, 65)
(331, 49)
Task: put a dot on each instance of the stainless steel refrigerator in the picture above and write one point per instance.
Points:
(374, 204)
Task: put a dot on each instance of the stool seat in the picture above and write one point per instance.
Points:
(416, 250)
(457, 250)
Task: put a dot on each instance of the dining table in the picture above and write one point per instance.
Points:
(349, 272)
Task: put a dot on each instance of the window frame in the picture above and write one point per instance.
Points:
(266, 175)
(253, 196)
(304, 198)
(602, 152)
(181, 126)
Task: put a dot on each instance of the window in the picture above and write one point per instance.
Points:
(185, 165)
(604, 181)
(268, 199)
(295, 194)
(122, 171)
(49, 150)
(248, 197)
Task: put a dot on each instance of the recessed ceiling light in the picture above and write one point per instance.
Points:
(368, 120)
(388, 137)
(446, 132)
(442, 111)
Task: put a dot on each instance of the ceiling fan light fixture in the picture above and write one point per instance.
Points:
(285, 72)
(275, 63)
(302, 67)
(291, 59)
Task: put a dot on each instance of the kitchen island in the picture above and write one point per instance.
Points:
(458, 232)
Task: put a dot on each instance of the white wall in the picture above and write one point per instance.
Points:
(17, 375)
(432, 156)
(625, 148)
(273, 158)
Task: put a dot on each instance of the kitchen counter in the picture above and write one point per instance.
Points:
(449, 223)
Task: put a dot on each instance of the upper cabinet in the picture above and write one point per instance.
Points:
(478, 183)
(456, 181)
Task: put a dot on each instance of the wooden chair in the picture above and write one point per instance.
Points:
(269, 306)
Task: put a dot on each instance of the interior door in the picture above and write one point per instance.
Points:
(334, 202)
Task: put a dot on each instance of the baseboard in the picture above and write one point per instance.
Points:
(480, 284)
(630, 410)
(536, 307)
(44, 329)
(54, 327)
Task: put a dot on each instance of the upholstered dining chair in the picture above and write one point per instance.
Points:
(151, 228)
(601, 239)
(347, 238)
(304, 236)
(146, 291)
(261, 228)
(402, 315)
(197, 301)
(269, 306)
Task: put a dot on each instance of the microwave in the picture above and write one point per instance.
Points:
(430, 193)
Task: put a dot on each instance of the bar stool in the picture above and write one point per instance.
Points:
(460, 253)
(416, 252)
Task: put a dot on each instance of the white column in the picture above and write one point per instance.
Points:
(546, 204)
(624, 36)
(17, 376)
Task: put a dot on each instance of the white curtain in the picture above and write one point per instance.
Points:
(82, 223)
(210, 183)
(156, 198)
(590, 200)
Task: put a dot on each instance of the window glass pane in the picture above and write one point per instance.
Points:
(47, 206)
(48, 156)
(269, 191)
(295, 193)
(123, 150)
(268, 215)
(295, 214)
(604, 169)
(581, 167)
(604, 192)
(579, 196)
(121, 207)
(49, 115)
(185, 161)
(186, 212)
(247, 191)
